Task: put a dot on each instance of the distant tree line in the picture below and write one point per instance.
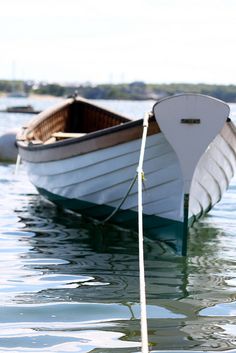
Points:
(131, 91)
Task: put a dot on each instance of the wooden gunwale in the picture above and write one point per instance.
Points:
(91, 142)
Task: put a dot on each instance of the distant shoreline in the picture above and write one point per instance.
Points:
(124, 91)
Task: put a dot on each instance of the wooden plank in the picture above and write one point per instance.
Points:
(66, 135)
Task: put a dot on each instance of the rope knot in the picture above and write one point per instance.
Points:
(143, 176)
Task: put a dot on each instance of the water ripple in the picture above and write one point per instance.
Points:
(69, 284)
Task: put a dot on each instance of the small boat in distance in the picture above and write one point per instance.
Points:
(17, 94)
(23, 109)
(84, 158)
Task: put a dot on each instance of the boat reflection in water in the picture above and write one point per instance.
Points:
(85, 276)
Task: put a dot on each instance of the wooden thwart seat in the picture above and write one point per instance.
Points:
(66, 135)
(61, 136)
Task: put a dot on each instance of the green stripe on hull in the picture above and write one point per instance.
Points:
(157, 228)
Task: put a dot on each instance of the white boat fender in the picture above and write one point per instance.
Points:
(8, 149)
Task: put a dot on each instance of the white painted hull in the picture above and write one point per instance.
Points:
(104, 176)
(214, 172)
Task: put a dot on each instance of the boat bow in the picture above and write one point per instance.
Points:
(190, 122)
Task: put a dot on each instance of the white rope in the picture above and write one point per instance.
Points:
(144, 329)
(18, 161)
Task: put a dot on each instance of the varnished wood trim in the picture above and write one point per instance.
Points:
(88, 143)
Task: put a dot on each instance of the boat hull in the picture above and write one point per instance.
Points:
(163, 230)
(94, 174)
(99, 182)
(94, 185)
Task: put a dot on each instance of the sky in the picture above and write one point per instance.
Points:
(115, 41)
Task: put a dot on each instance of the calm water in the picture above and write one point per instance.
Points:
(70, 285)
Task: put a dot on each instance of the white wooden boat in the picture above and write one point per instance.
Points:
(84, 158)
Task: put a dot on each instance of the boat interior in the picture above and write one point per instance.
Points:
(72, 120)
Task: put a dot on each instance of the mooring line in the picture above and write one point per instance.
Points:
(122, 201)
(18, 161)
(144, 328)
(140, 176)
